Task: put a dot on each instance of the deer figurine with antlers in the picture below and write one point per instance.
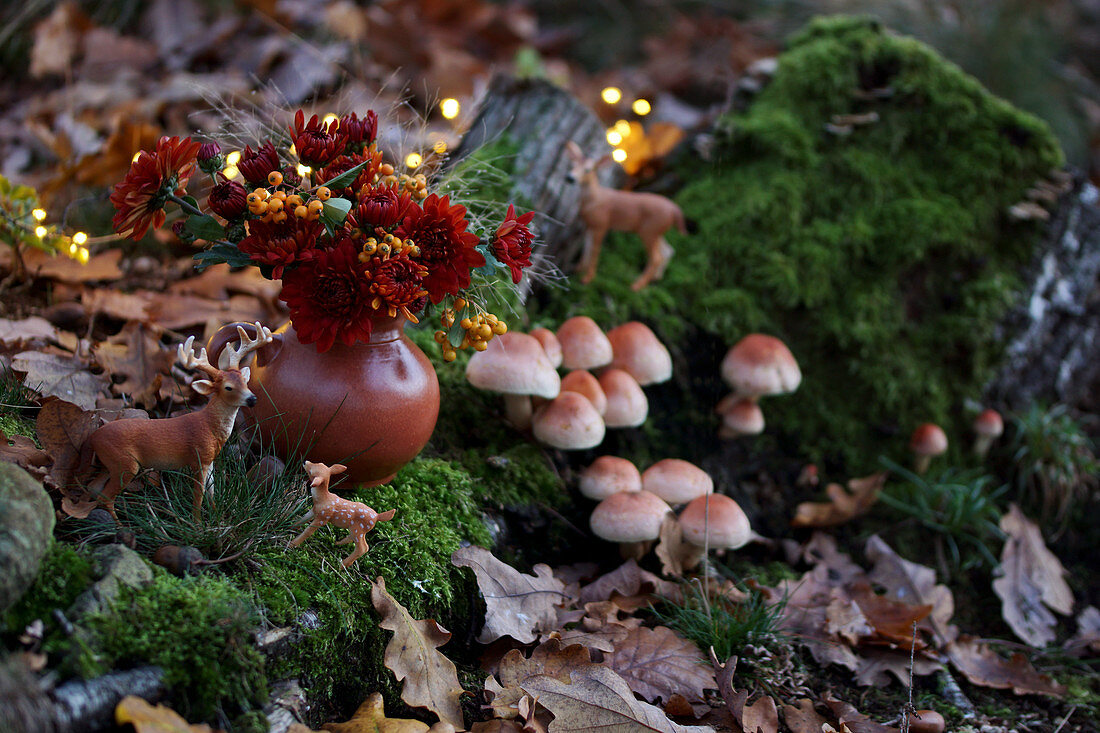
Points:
(186, 441)
(603, 209)
(354, 516)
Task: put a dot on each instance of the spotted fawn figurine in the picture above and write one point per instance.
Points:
(186, 441)
(354, 516)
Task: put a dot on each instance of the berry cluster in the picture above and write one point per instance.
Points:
(480, 330)
(273, 205)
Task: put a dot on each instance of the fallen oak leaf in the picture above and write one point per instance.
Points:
(516, 605)
(66, 378)
(135, 355)
(63, 428)
(22, 451)
(370, 717)
(1029, 580)
(149, 719)
(657, 664)
(551, 658)
(891, 620)
(854, 721)
(842, 506)
(103, 266)
(600, 700)
(628, 580)
(1087, 638)
(875, 664)
(984, 667)
(761, 716)
(911, 583)
(803, 718)
(675, 554)
(25, 330)
(430, 679)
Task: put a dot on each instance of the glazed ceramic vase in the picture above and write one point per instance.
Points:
(370, 406)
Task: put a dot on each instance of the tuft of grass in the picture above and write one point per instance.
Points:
(241, 515)
(959, 508)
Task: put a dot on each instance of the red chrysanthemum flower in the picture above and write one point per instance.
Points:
(139, 198)
(397, 284)
(228, 199)
(290, 242)
(446, 248)
(254, 165)
(359, 132)
(512, 242)
(317, 144)
(381, 207)
(330, 298)
(344, 163)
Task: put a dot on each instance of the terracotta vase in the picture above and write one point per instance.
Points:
(371, 406)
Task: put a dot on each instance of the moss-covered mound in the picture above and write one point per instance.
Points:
(883, 256)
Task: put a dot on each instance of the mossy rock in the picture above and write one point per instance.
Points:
(884, 258)
(26, 526)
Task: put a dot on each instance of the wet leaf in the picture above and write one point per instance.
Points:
(516, 605)
(430, 679)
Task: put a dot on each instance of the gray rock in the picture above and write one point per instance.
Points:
(26, 526)
(117, 567)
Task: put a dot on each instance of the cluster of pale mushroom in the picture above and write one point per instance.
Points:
(573, 412)
(929, 440)
(756, 366)
(633, 506)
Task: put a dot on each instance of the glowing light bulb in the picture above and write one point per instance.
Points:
(329, 119)
(83, 255)
(623, 128)
(39, 214)
(618, 155)
(80, 238)
(73, 249)
(40, 232)
(613, 137)
(304, 170)
(413, 160)
(231, 172)
(611, 95)
(293, 150)
(641, 107)
(450, 108)
(440, 147)
(232, 159)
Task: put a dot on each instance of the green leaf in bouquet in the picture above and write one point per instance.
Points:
(222, 252)
(335, 211)
(455, 335)
(205, 227)
(345, 179)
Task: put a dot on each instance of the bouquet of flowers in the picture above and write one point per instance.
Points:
(350, 238)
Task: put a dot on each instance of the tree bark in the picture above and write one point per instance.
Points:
(540, 118)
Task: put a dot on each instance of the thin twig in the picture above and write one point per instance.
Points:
(1065, 719)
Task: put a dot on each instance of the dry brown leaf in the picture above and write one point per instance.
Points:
(874, 664)
(1029, 580)
(57, 40)
(149, 719)
(67, 378)
(516, 605)
(138, 357)
(1087, 639)
(675, 554)
(103, 266)
(911, 583)
(430, 679)
(843, 618)
(62, 428)
(760, 717)
(831, 565)
(116, 304)
(26, 330)
(893, 621)
(853, 720)
(842, 506)
(604, 637)
(628, 580)
(805, 618)
(22, 451)
(219, 281)
(657, 664)
(496, 726)
(803, 719)
(599, 699)
(371, 718)
(982, 666)
(551, 658)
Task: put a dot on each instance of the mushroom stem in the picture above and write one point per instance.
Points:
(634, 550)
(692, 556)
(517, 410)
(982, 445)
(921, 464)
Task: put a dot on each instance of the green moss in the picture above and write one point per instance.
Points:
(198, 629)
(883, 258)
(65, 573)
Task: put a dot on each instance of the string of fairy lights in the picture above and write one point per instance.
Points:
(618, 133)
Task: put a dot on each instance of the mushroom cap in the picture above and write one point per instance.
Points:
(759, 365)
(989, 424)
(514, 363)
(569, 422)
(741, 416)
(609, 475)
(629, 516)
(677, 481)
(550, 345)
(727, 526)
(627, 405)
(582, 382)
(637, 351)
(583, 344)
(928, 440)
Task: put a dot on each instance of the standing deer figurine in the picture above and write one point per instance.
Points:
(603, 209)
(354, 516)
(186, 441)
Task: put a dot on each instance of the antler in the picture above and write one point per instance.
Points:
(247, 345)
(185, 354)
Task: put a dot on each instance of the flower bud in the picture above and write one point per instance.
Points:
(211, 158)
(180, 230)
(228, 199)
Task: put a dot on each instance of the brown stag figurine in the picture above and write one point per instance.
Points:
(186, 441)
(354, 516)
(603, 209)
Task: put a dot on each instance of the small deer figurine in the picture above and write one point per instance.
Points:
(603, 209)
(186, 441)
(354, 516)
